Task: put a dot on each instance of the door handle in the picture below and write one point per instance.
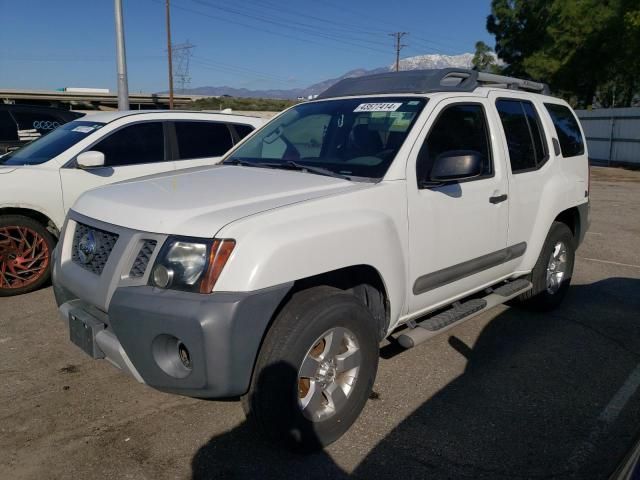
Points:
(498, 198)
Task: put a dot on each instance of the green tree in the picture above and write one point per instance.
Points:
(583, 48)
(519, 27)
(484, 59)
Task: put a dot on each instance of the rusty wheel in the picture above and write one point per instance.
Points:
(25, 255)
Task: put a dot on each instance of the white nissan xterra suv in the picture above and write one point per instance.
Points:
(396, 205)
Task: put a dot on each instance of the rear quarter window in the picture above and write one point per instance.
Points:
(567, 129)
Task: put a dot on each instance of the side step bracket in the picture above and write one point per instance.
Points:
(428, 328)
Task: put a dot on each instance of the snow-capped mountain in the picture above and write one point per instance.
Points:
(418, 62)
(423, 62)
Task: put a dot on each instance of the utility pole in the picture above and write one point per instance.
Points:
(169, 53)
(398, 36)
(123, 87)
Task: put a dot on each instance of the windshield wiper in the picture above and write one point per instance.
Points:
(239, 161)
(290, 164)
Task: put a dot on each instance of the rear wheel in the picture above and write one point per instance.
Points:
(552, 273)
(25, 255)
(315, 369)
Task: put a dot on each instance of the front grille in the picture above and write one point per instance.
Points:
(139, 266)
(92, 247)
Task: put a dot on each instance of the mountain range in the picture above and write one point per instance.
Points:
(410, 63)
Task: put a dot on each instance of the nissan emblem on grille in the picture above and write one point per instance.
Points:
(87, 247)
(92, 247)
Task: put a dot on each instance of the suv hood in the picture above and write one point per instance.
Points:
(198, 202)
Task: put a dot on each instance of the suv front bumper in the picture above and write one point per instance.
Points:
(140, 332)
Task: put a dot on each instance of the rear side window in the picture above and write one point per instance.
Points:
(458, 127)
(521, 123)
(567, 129)
(242, 130)
(132, 145)
(202, 139)
(8, 129)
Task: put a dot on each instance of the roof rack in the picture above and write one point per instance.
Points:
(428, 81)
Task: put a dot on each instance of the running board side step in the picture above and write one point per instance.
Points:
(443, 321)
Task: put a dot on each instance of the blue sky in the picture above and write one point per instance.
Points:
(255, 44)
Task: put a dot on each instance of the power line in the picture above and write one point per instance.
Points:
(278, 33)
(205, 62)
(296, 26)
(398, 36)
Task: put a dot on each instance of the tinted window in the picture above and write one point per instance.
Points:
(42, 123)
(458, 127)
(567, 129)
(533, 120)
(135, 144)
(524, 135)
(8, 129)
(242, 130)
(51, 145)
(356, 137)
(202, 139)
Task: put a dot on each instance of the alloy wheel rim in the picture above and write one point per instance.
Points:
(557, 267)
(24, 257)
(328, 374)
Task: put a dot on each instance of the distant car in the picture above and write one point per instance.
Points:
(41, 181)
(20, 124)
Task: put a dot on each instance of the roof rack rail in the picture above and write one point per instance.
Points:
(428, 81)
(493, 80)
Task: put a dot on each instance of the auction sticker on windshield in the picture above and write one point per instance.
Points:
(85, 128)
(378, 107)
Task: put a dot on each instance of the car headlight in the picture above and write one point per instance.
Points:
(191, 265)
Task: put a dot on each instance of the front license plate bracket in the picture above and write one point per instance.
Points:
(82, 332)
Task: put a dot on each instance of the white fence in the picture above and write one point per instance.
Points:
(613, 135)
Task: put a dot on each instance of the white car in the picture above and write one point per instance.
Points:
(40, 182)
(396, 205)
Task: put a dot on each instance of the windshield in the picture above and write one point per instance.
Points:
(350, 138)
(52, 144)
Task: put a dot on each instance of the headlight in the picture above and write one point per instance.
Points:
(191, 265)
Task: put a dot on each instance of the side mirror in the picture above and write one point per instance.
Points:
(456, 165)
(90, 159)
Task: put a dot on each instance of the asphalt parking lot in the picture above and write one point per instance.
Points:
(510, 394)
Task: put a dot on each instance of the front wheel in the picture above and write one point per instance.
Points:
(315, 370)
(25, 255)
(552, 273)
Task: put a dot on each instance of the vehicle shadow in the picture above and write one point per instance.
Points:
(246, 453)
(529, 404)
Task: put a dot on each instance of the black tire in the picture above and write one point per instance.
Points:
(273, 398)
(539, 298)
(44, 275)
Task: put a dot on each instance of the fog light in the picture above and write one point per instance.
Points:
(172, 356)
(184, 355)
(162, 276)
